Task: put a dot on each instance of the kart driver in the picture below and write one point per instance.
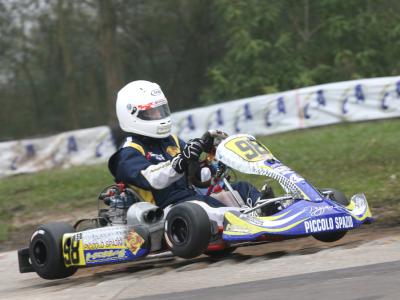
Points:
(151, 160)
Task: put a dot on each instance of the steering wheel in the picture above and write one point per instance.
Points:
(194, 165)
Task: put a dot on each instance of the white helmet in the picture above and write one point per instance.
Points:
(143, 109)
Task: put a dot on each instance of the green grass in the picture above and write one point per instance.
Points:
(361, 157)
(50, 191)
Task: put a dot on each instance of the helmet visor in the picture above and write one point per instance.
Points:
(155, 113)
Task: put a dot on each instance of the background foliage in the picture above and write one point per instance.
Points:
(62, 62)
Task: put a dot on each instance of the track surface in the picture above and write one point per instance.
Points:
(383, 280)
(349, 269)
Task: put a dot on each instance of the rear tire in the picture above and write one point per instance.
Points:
(45, 251)
(187, 230)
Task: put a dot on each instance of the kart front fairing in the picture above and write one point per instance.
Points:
(311, 212)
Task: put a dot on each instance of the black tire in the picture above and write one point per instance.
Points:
(45, 251)
(337, 196)
(187, 230)
(220, 253)
(329, 237)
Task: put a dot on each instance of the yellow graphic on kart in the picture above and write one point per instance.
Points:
(134, 241)
(248, 149)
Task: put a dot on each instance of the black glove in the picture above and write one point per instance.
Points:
(179, 164)
(209, 136)
(193, 149)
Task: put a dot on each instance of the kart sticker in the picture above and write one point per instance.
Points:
(72, 250)
(248, 149)
(102, 256)
(134, 241)
(328, 224)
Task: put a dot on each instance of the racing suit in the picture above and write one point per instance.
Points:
(144, 164)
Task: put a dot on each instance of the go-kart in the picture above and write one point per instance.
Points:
(129, 229)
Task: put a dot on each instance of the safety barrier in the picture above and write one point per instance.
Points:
(348, 101)
(79, 147)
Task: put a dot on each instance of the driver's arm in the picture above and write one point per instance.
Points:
(134, 168)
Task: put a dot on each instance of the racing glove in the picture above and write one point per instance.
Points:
(193, 149)
(209, 138)
(179, 164)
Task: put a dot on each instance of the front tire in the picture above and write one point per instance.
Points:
(337, 196)
(45, 251)
(329, 237)
(187, 230)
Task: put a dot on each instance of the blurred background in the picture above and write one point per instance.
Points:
(62, 62)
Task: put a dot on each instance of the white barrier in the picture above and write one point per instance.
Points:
(350, 101)
(79, 147)
(364, 99)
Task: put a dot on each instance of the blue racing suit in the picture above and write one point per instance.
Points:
(144, 164)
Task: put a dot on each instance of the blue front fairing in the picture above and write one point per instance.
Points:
(300, 219)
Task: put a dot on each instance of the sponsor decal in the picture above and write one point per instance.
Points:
(42, 232)
(289, 173)
(296, 178)
(103, 256)
(328, 224)
(134, 241)
(155, 92)
(151, 156)
(320, 210)
(236, 228)
(98, 238)
(104, 245)
(164, 128)
(284, 170)
(151, 105)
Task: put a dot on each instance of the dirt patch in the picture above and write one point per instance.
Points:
(310, 245)
(23, 225)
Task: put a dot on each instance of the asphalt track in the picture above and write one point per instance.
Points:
(367, 270)
(379, 281)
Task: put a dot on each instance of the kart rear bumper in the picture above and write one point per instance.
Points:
(24, 263)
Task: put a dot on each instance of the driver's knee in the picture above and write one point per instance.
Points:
(246, 190)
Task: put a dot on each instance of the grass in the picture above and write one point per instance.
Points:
(48, 192)
(361, 157)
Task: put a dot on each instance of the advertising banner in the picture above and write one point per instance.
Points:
(79, 147)
(348, 101)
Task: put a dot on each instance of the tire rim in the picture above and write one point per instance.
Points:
(40, 253)
(179, 231)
